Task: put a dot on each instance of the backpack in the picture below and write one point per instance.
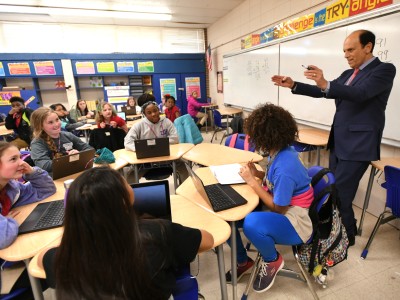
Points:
(236, 124)
(240, 141)
(329, 244)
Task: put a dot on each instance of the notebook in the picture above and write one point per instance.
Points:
(152, 199)
(44, 216)
(152, 147)
(129, 111)
(74, 163)
(220, 197)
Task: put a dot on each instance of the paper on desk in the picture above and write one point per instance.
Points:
(227, 174)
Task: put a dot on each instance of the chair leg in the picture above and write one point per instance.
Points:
(253, 274)
(305, 275)
(381, 220)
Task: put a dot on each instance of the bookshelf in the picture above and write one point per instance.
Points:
(139, 85)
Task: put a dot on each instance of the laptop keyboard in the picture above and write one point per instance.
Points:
(219, 199)
(53, 216)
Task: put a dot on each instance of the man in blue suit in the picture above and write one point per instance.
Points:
(361, 94)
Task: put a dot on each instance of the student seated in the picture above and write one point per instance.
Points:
(285, 191)
(81, 112)
(172, 111)
(18, 119)
(153, 126)
(67, 123)
(49, 141)
(194, 109)
(116, 254)
(131, 104)
(108, 118)
(14, 193)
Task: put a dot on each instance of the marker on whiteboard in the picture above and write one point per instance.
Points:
(308, 68)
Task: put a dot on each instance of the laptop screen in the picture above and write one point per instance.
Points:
(198, 183)
(152, 199)
(121, 114)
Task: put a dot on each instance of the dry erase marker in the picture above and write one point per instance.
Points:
(308, 68)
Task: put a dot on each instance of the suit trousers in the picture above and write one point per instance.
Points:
(348, 174)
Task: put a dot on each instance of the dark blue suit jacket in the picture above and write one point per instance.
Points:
(359, 119)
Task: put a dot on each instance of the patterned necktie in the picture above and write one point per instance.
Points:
(352, 76)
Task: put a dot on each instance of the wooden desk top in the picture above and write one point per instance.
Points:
(313, 136)
(227, 111)
(5, 131)
(176, 152)
(208, 154)
(183, 212)
(188, 190)
(386, 161)
(118, 164)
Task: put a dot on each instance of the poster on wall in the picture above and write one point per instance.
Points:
(168, 86)
(105, 67)
(192, 84)
(125, 67)
(21, 68)
(44, 67)
(146, 67)
(2, 73)
(220, 82)
(6, 96)
(84, 67)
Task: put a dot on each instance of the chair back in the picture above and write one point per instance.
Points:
(217, 118)
(186, 287)
(321, 179)
(392, 186)
(239, 141)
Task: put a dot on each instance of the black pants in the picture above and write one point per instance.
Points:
(348, 175)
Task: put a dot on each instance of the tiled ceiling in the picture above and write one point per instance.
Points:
(184, 13)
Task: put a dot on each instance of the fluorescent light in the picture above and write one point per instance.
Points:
(85, 12)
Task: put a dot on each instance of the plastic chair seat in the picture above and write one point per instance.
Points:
(219, 125)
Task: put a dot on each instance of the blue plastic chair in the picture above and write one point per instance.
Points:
(392, 206)
(318, 185)
(186, 287)
(219, 125)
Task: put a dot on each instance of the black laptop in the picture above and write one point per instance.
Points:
(74, 163)
(44, 216)
(152, 147)
(129, 111)
(220, 197)
(152, 199)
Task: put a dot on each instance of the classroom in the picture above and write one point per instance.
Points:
(233, 57)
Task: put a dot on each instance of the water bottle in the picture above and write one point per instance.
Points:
(67, 184)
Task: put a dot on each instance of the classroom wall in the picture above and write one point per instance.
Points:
(254, 16)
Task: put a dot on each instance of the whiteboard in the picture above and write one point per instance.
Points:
(247, 77)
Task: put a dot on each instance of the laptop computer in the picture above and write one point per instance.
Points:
(122, 115)
(44, 216)
(152, 199)
(129, 111)
(220, 197)
(152, 147)
(71, 164)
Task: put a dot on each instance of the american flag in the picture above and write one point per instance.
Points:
(209, 58)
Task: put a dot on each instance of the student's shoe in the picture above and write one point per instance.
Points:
(241, 270)
(266, 276)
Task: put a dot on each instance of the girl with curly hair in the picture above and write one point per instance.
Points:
(285, 191)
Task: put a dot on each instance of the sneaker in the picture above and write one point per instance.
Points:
(241, 270)
(266, 276)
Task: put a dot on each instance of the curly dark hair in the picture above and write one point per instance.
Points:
(270, 127)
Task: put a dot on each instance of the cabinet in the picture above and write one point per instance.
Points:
(139, 85)
(89, 88)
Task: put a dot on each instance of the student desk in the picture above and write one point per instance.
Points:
(314, 137)
(188, 190)
(87, 127)
(176, 152)
(185, 213)
(208, 108)
(376, 167)
(208, 154)
(5, 131)
(229, 112)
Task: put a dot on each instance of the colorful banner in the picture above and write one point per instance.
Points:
(44, 67)
(85, 67)
(337, 11)
(19, 68)
(168, 86)
(6, 96)
(267, 36)
(192, 84)
(299, 24)
(105, 67)
(146, 67)
(125, 67)
(255, 40)
(247, 42)
(362, 6)
(319, 17)
(2, 73)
